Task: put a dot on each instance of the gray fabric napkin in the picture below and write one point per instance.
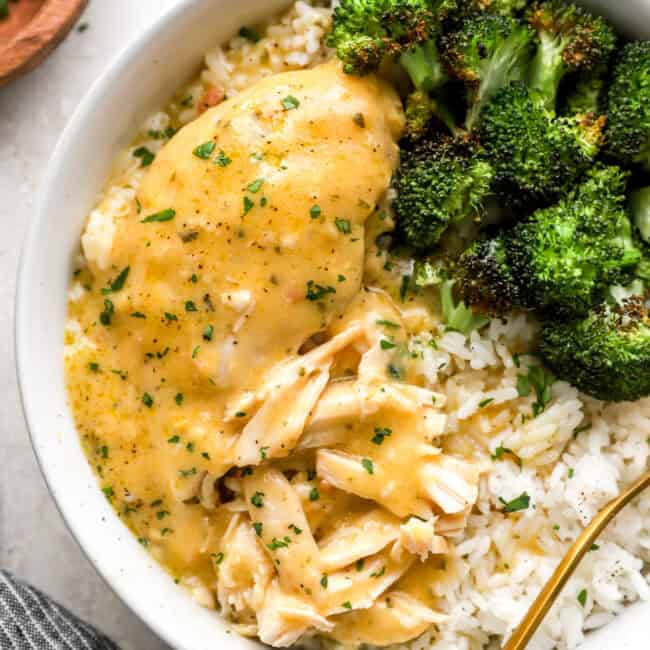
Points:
(31, 621)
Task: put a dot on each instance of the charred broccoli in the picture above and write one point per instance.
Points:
(570, 39)
(439, 182)
(485, 276)
(536, 156)
(588, 94)
(606, 354)
(566, 256)
(487, 52)
(628, 130)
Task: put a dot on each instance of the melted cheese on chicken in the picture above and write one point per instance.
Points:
(250, 415)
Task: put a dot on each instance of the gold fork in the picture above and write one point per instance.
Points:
(538, 610)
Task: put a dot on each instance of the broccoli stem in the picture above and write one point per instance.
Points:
(423, 66)
(639, 206)
(547, 70)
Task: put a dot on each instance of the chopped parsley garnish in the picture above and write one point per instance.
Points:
(594, 547)
(404, 287)
(347, 604)
(257, 526)
(323, 582)
(169, 316)
(147, 400)
(161, 514)
(389, 324)
(378, 574)
(249, 34)
(541, 381)
(190, 306)
(144, 542)
(108, 491)
(222, 159)
(146, 156)
(313, 494)
(255, 186)
(485, 402)
(358, 565)
(368, 465)
(137, 314)
(263, 451)
(107, 315)
(315, 211)
(582, 597)
(205, 455)
(317, 291)
(343, 225)
(258, 499)
(578, 430)
(190, 447)
(188, 101)
(278, 543)
(118, 282)
(380, 434)
(248, 205)
(290, 102)
(208, 332)
(174, 440)
(164, 215)
(500, 451)
(187, 472)
(394, 372)
(341, 278)
(194, 278)
(218, 558)
(178, 398)
(295, 529)
(240, 414)
(522, 502)
(195, 351)
(205, 150)
(359, 120)
(385, 344)
(104, 451)
(93, 366)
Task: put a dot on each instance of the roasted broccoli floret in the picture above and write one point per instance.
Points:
(565, 257)
(485, 277)
(570, 39)
(628, 114)
(439, 182)
(589, 93)
(536, 156)
(366, 32)
(502, 7)
(487, 52)
(639, 208)
(605, 354)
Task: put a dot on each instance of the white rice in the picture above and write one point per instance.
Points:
(501, 562)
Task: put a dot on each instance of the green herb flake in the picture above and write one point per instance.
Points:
(295, 529)
(195, 351)
(208, 332)
(522, 502)
(222, 160)
(384, 344)
(205, 150)
(187, 472)
(108, 491)
(248, 205)
(255, 186)
(594, 547)
(317, 291)
(249, 34)
(144, 542)
(263, 451)
(404, 287)
(323, 582)
(240, 414)
(145, 155)
(347, 604)
(358, 565)
(380, 434)
(388, 324)
(161, 514)
(313, 494)
(458, 317)
(368, 465)
(170, 317)
(394, 372)
(258, 499)
(359, 120)
(257, 526)
(137, 314)
(118, 283)
(190, 306)
(315, 211)
(174, 440)
(290, 102)
(485, 402)
(93, 366)
(380, 573)
(178, 398)
(218, 558)
(106, 316)
(164, 215)
(278, 543)
(578, 430)
(582, 597)
(147, 400)
(571, 472)
(343, 225)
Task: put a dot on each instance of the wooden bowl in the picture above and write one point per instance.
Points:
(32, 30)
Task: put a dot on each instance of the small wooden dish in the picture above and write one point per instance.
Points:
(32, 30)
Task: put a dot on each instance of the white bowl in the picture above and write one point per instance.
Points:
(141, 80)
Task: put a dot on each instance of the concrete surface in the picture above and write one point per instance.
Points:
(34, 542)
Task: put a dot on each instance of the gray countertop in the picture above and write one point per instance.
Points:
(34, 543)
